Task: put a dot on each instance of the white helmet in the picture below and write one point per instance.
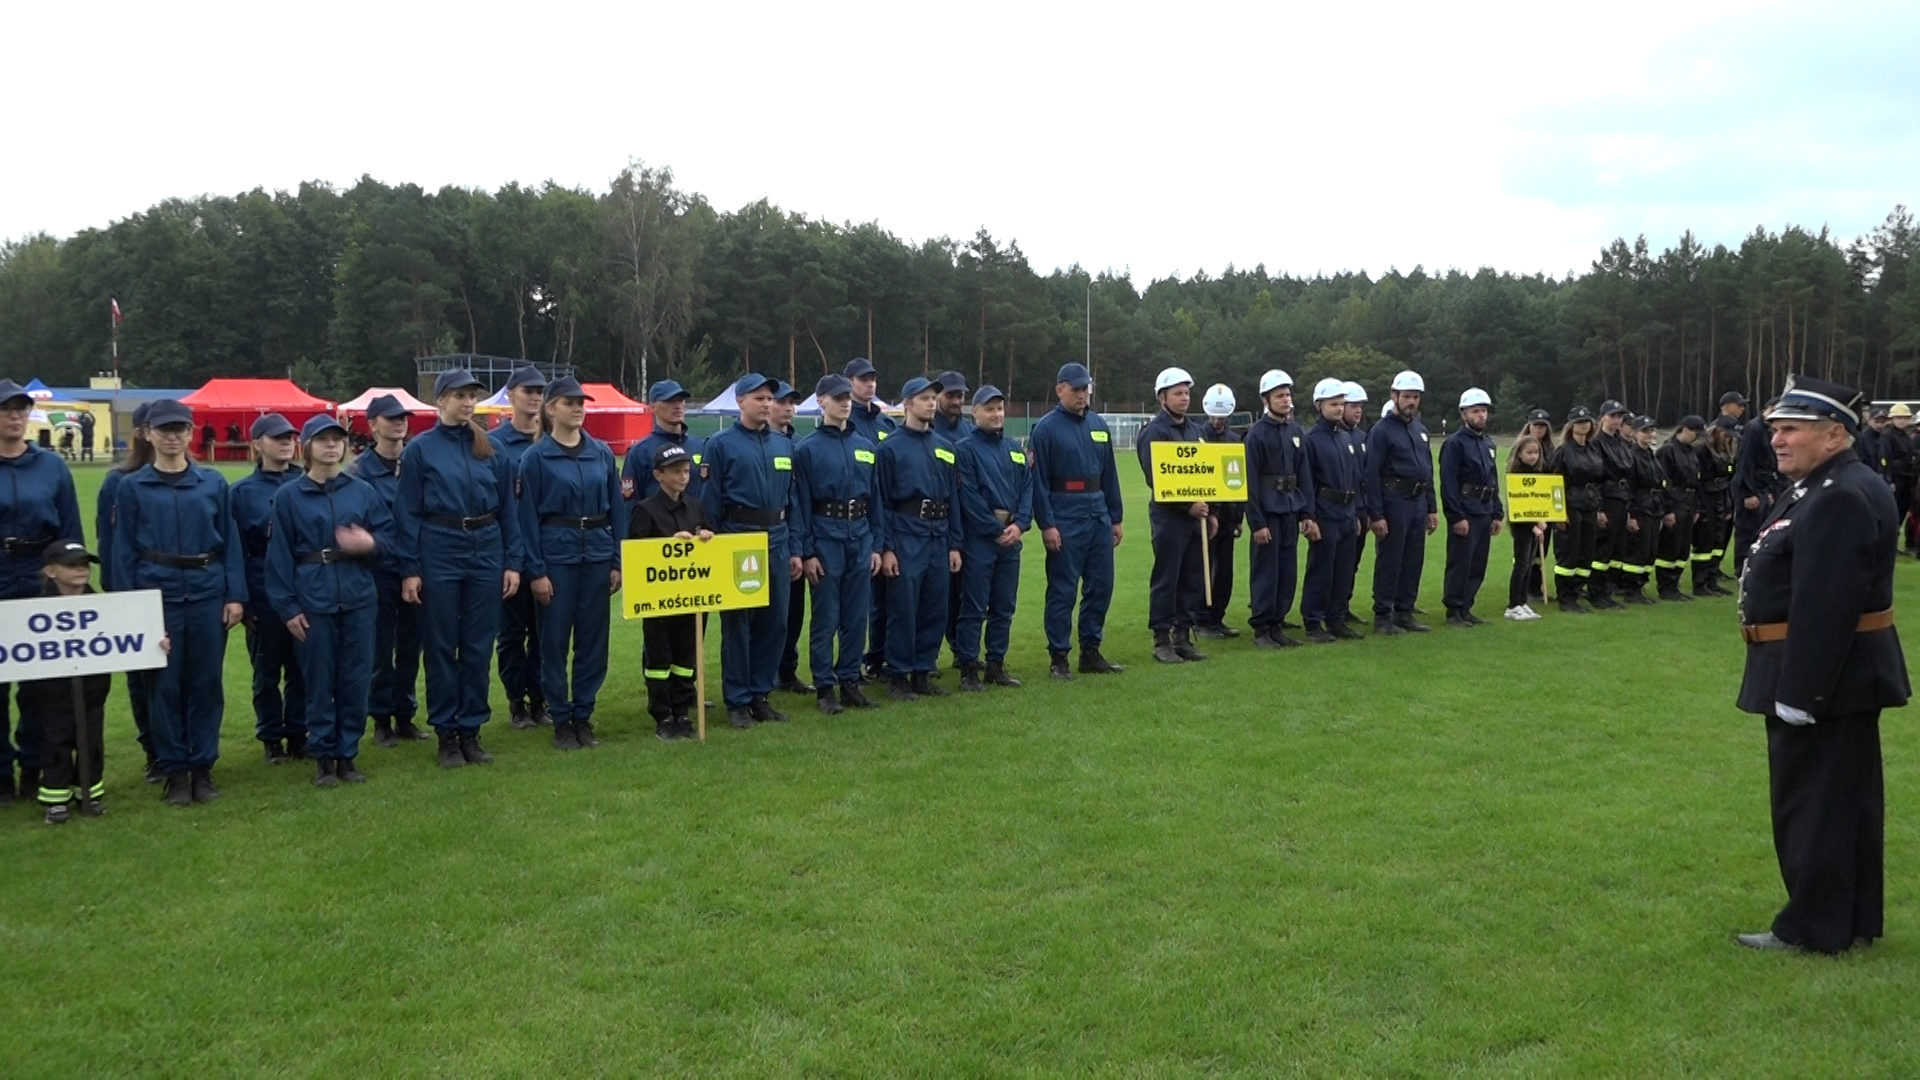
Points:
(1273, 380)
(1219, 400)
(1172, 376)
(1408, 381)
(1327, 389)
(1475, 396)
(1355, 393)
(1386, 409)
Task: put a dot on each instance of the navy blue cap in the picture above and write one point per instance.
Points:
(1539, 416)
(456, 379)
(667, 390)
(1817, 399)
(10, 390)
(832, 386)
(915, 387)
(1725, 421)
(670, 454)
(751, 381)
(1734, 397)
(950, 381)
(168, 411)
(857, 367)
(987, 393)
(567, 386)
(527, 376)
(140, 412)
(1608, 408)
(271, 426)
(316, 424)
(781, 392)
(1579, 413)
(384, 406)
(1691, 423)
(1074, 375)
(1643, 423)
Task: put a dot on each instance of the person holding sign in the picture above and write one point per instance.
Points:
(70, 776)
(1177, 587)
(835, 493)
(669, 657)
(396, 632)
(1332, 462)
(1527, 458)
(1218, 404)
(569, 490)
(920, 541)
(1470, 496)
(174, 531)
(1279, 511)
(329, 529)
(1583, 470)
(996, 509)
(1076, 504)
(1679, 461)
(460, 553)
(279, 715)
(1399, 493)
(747, 485)
(37, 507)
(519, 646)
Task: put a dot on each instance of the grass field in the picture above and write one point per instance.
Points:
(1514, 850)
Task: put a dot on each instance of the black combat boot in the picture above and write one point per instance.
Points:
(383, 732)
(854, 698)
(345, 769)
(405, 731)
(899, 689)
(519, 717)
(541, 717)
(764, 712)
(564, 738)
(1183, 644)
(323, 774)
(1406, 622)
(179, 789)
(1058, 668)
(471, 751)
(1319, 636)
(1345, 632)
(583, 734)
(203, 789)
(297, 746)
(970, 678)
(273, 751)
(827, 703)
(1163, 650)
(449, 754)
(923, 685)
(1386, 627)
(1092, 663)
(741, 719)
(997, 674)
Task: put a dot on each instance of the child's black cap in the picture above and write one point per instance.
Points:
(69, 553)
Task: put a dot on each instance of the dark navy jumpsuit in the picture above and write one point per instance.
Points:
(458, 534)
(139, 683)
(919, 523)
(1356, 436)
(636, 479)
(396, 634)
(835, 504)
(1176, 591)
(871, 422)
(1282, 498)
(953, 429)
(1076, 489)
(1469, 492)
(37, 507)
(1399, 490)
(796, 605)
(748, 487)
(996, 490)
(519, 645)
(1334, 462)
(308, 575)
(568, 499)
(270, 646)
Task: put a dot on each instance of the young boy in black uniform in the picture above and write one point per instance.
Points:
(670, 641)
(68, 568)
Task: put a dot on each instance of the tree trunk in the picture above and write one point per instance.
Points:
(793, 348)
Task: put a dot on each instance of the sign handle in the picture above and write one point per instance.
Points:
(700, 670)
(83, 749)
(1206, 560)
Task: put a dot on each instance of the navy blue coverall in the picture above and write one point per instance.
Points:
(1281, 498)
(568, 499)
(139, 683)
(1469, 492)
(1076, 489)
(308, 575)
(871, 422)
(1356, 436)
(996, 490)
(953, 429)
(796, 608)
(1399, 490)
(920, 525)
(1176, 590)
(175, 532)
(636, 477)
(749, 488)
(835, 504)
(1220, 548)
(270, 646)
(396, 634)
(37, 507)
(1334, 462)
(519, 644)
(458, 534)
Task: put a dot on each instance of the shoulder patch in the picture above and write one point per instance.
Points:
(943, 454)
(1423, 437)
(1097, 435)
(1296, 441)
(865, 457)
(696, 459)
(1017, 457)
(882, 434)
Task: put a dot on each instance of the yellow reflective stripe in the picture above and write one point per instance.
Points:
(99, 791)
(657, 673)
(863, 456)
(783, 464)
(1097, 436)
(55, 796)
(1564, 572)
(943, 454)
(684, 672)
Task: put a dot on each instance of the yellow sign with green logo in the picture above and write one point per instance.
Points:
(679, 577)
(1536, 497)
(1199, 472)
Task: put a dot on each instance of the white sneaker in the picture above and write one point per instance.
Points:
(1528, 611)
(1517, 614)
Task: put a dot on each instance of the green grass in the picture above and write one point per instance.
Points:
(1517, 850)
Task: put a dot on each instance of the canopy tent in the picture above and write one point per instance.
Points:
(228, 408)
(497, 403)
(614, 418)
(420, 415)
(727, 404)
(38, 390)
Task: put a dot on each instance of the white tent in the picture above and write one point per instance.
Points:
(725, 403)
(359, 405)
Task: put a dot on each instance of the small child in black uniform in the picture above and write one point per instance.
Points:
(670, 642)
(68, 568)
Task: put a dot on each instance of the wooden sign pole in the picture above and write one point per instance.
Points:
(700, 670)
(1206, 561)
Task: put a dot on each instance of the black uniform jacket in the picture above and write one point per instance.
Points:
(1824, 558)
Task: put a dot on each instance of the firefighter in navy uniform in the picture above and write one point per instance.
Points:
(1616, 501)
(1647, 506)
(1354, 430)
(519, 644)
(396, 631)
(1470, 497)
(1756, 483)
(1679, 461)
(1903, 465)
(279, 718)
(1279, 510)
(1219, 404)
(786, 400)
(1823, 659)
(669, 402)
(834, 507)
(951, 422)
(918, 483)
(1078, 510)
(996, 510)
(1399, 494)
(1334, 462)
(872, 423)
(1176, 589)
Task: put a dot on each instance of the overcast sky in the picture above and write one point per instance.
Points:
(1158, 138)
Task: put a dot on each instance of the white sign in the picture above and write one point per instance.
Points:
(51, 637)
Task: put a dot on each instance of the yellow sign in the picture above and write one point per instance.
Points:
(1536, 497)
(680, 577)
(1199, 472)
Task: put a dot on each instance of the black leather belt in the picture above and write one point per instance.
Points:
(1718, 485)
(1286, 485)
(1616, 489)
(1479, 491)
(1338, 496)
(924, 509)
(17, 546)
(1076, 485)
(841, 510)
(1409, 488)
(464, 524)
(325, 556)
(750, 515)
(181, 562)
(561, 522)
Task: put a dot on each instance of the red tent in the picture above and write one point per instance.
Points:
(616, 419)
(230, 406)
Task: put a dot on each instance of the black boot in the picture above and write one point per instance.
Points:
(564, 738)
(1277, 638)
(1183, 644)
(666, 729)
(763, 711)
(275, 753)
(323, 774)
(1406, 622)
(1386, 628)
(1092, 663)
(541, 717)
(583, 733)
(1635, 594)
(405, 731)
(923, 685)
(1058, 668)
(346, 770)
(741, 718)
(827, 703)
(449, 754)
(203, 789)
(179, 790)
(7, 795)
(1319, 636)
(1345, 632)
(154, 775)
(383, 732)
(519, 717)
(471, 751)
(899, 689)
(1570, 603)
(997, 674)
(970, 678)
(297, 746)
(854, 698)
(1163, 650)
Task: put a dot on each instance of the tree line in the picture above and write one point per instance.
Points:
(342, 289)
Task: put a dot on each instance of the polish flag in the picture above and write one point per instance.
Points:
(117, 317)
